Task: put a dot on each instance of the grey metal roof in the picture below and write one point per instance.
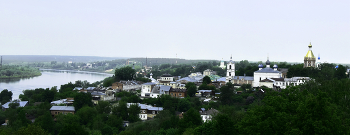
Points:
(62, 108)
(244, 77)
(149, 83)
(222, 79)
(146, 107)
(188, 79)
(166, 75)
(97, 93)
(267, 70)
(21, 104)
(204, 90)
(210, 112)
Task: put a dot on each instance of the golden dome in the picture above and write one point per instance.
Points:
(309, 53)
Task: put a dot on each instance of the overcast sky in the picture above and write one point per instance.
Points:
(192, 29)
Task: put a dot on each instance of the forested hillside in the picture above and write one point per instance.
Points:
(18, 71)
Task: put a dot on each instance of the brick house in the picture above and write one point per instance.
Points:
(179, 93)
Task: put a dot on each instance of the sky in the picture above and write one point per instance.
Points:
(190, 29)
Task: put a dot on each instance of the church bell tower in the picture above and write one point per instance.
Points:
(309, 59)
(230, 71)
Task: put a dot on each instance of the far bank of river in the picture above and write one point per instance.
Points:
(48, 79)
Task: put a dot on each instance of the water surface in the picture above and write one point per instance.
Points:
(48, 79)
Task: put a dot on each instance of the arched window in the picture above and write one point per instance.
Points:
(229, 73)
(230, 67)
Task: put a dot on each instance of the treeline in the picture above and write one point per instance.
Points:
(243, 67)
(7, 71)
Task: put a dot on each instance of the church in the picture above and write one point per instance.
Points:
(270, 76)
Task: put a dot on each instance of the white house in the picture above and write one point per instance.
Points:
(208, 115)
(146, 111)
(146, 88)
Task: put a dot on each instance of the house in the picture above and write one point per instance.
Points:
(146, 111)
(146, 89)
(127, 85)
(67, 101)
(179, 93)
(55, 110)
(205, 93)
(160, 90)
(209, 72)
(283, 82)
(207, 115)
(21, 104)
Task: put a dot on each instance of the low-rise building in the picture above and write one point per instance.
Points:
(207, 115)
(209, 72)
(146, 111)
(20, 104)
(146, 89)
(55, 110)
(127, 85)
(179, 93)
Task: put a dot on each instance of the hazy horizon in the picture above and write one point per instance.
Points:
(249, 30)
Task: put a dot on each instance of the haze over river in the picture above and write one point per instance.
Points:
(48, 79)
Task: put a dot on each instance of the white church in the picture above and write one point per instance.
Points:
(268, 76)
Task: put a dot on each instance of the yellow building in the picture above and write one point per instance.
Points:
(309, 59)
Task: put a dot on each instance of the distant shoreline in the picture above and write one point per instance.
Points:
(76, 71)
(16, 77)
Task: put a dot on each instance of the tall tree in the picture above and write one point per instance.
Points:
(125, 73)
(103, 107)
(82, 99)
(226, 94)
(5, 96)
(191, 89)
(134, 111)
(206, 80)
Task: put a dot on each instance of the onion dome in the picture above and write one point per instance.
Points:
(275, 66)
(151, 74)
(336, 66)
(260, 66)
(268, 62)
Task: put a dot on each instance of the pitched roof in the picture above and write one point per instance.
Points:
(178, 90)
(21, 104)
(243, 77)
(267, 70)
(166, 75)
(62, 108)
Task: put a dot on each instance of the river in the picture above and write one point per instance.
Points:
(48, 79)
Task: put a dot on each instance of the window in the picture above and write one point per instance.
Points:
(230, 68)
(153, 112)
(180, 94)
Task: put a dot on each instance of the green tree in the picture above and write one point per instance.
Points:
(73, 129)
(103, 107)
(183, 105)
(206, 80)
(226, 94)
(125, 73)
(46, 122)
(82, 99)
(85, 115)
(5, 96)
(191, 89)
(31, 130)
(121, 110)
(134, 111)
(190, 119)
